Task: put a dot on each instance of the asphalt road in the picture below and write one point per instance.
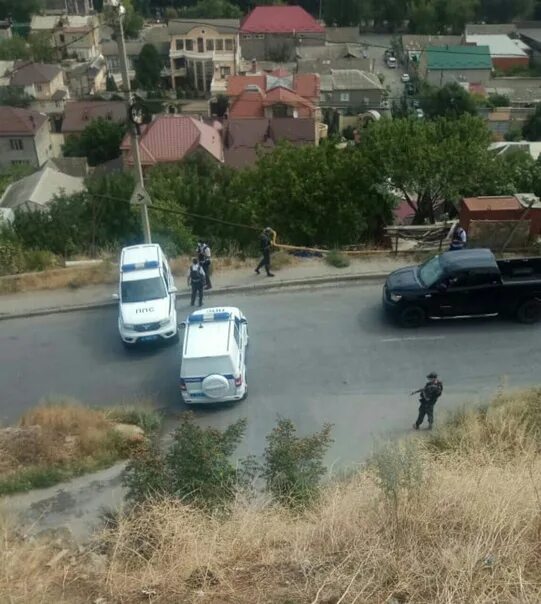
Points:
(315, 355)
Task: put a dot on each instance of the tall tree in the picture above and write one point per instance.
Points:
(14, 48)
(148, 67)
(211, 9)
(41, 48)
(532, 126)
(19, 10)
(99, 142)
(428, 161)
(450, 101)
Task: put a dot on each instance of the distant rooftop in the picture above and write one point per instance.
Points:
(499, 45)
(280, 19)
(459, 57)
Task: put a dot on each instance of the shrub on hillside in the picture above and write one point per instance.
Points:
(293, 465)
(337, 259)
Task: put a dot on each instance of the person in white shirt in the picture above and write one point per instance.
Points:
(459, 238)
(196, 279)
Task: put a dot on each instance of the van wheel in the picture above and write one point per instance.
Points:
(529, 312)
(412, 316)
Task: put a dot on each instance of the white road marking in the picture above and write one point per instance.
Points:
(413, 339)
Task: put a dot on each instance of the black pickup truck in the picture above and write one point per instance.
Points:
(466, 283)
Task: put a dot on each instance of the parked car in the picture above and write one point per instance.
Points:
(213, 361)
(405, 77)
(392, 62)
(465, 283)
(146, 295)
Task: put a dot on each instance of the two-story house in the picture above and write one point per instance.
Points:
(276, 94)
(25, 137)
(111, 54)
(71, 35)
(78, 114)
(351, 89)
(271, 33)
(44, 82)
(204, 53)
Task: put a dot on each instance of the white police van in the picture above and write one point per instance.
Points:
(146, 309)
(213, 364)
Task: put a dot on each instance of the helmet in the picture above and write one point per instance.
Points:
(432, 375)
(267, 230)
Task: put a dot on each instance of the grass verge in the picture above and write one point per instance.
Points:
(59, 440)
(336, 259)
(443, 517)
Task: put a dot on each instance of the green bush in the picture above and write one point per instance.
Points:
(147, 419)
(293, 465)
(39, 260)
(337, 259)
(197, 467)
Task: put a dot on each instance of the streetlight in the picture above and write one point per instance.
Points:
(133, 117)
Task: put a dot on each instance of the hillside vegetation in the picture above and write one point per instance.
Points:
(452, 516)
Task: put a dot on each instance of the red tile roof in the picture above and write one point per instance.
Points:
(281, 20)
(170, 138)
(14, 120)
(78, 114)
(494, 203)
(250, 94)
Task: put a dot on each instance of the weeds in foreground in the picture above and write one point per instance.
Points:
(337, 259)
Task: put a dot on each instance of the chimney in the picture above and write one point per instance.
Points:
(254, 66)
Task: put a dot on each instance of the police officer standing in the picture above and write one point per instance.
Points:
(203, 254)
(430, 393)
(265, 242)
(196, 279)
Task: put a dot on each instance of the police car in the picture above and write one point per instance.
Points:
(146, 295)
(213, 363)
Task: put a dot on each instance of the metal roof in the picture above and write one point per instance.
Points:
(280, 20)
(350, 79)
(495, 203)
(499, 45)
(459, 57)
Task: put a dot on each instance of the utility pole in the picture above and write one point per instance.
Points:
(134, 128)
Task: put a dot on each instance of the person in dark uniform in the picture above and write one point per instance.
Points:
(266, 245)
(196, 279)
(430, 393)
(203, 254)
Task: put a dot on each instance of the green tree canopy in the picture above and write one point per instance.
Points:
(14, 48)
(14, 97)
(211, 9)
(148, 67)
(19, 10)
(450, 101)
(41, 48)
(99, 142)
(532, 126)
(428, 160)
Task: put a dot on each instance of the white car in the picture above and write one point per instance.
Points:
(147, 295)
(392, 62)
(213, 362)
(405, 77)
(419, 113)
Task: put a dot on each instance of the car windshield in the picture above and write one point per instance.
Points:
(143, 290)
(431, 272)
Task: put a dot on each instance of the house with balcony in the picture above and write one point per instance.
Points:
(272, 95)
(44, 83)
(203, 53)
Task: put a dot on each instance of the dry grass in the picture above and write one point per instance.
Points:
(470, 532)
(74, 277)
(56, 441)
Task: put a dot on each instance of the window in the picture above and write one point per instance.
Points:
(431, 272)
(229, 44)
(260, 36)
(179, 63)
(189, 44)
(344, 97)
(143, 290)
(246, 37)
(62, 38)
(225, 71)
(237, 334)
(16, 144)
(20, 162)
(38, 87)
(210, 45)
(179, 44)
(219, 44)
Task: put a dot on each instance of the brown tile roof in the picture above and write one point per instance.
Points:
(304, 84)
(78, 114)
(14, 120)
(170, 138)
(26, 74)
(244, 137)
(496, 203)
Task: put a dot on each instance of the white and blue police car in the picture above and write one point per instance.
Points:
(213, 363)
(146, 294)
